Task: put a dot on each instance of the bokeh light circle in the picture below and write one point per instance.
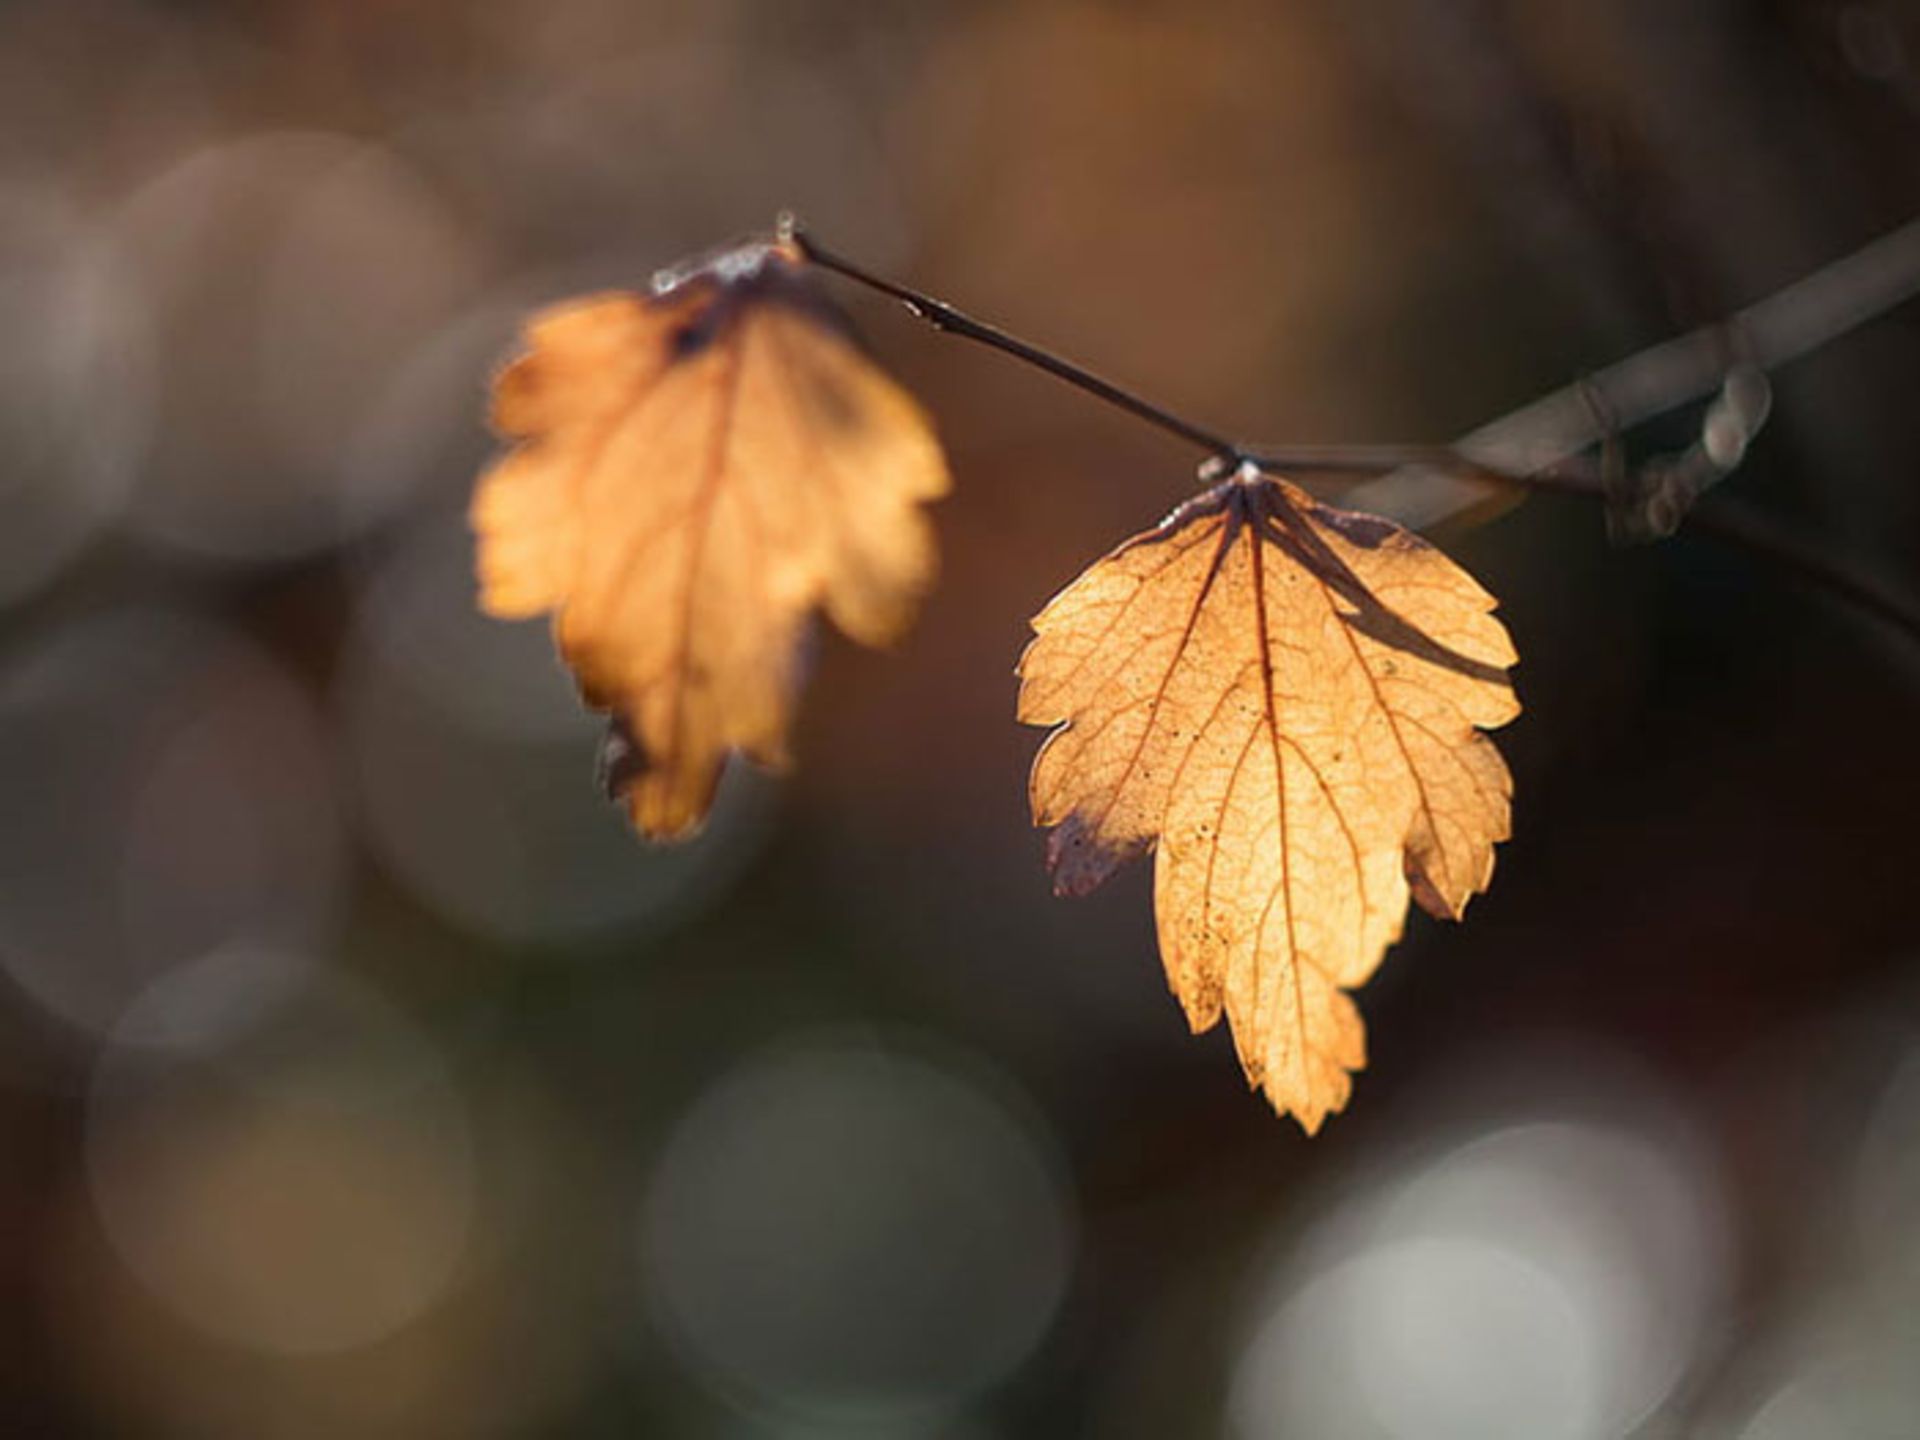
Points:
(301, 1184)
(849, 1231)
(1886, 1174)
(1430, 1311)
(169, 792)
(1546, 1279)
(75, 387)
(287, 275)
(474, 764)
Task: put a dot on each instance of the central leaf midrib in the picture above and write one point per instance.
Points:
(1280, 798)
(701, 521)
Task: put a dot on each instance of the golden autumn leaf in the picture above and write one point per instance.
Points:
(697, 470)
(1283, 700)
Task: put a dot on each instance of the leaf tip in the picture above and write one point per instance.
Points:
(1309, 1121)
(665, 809)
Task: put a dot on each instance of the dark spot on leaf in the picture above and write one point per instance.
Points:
(697, 334)
(830, 401)
(1077, 860)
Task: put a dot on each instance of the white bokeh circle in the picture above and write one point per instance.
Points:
(852, 1230)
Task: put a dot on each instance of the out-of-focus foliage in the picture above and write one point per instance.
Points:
(696, 473)
(361, 1074)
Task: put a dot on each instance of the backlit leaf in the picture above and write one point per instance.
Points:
(697, 471)
(1284, 701)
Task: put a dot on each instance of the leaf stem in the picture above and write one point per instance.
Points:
(943, 316)
(1541, 445)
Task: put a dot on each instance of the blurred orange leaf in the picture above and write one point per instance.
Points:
(1282, 699)
(697, 470)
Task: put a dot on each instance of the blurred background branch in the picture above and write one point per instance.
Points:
(1798, 318)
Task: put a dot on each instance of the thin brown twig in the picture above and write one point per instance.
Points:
(943, 316)
(1229, 453)
(1542, 445)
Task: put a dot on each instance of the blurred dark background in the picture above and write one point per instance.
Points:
(360, 1075)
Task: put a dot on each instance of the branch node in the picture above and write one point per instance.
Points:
(1227, 463)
